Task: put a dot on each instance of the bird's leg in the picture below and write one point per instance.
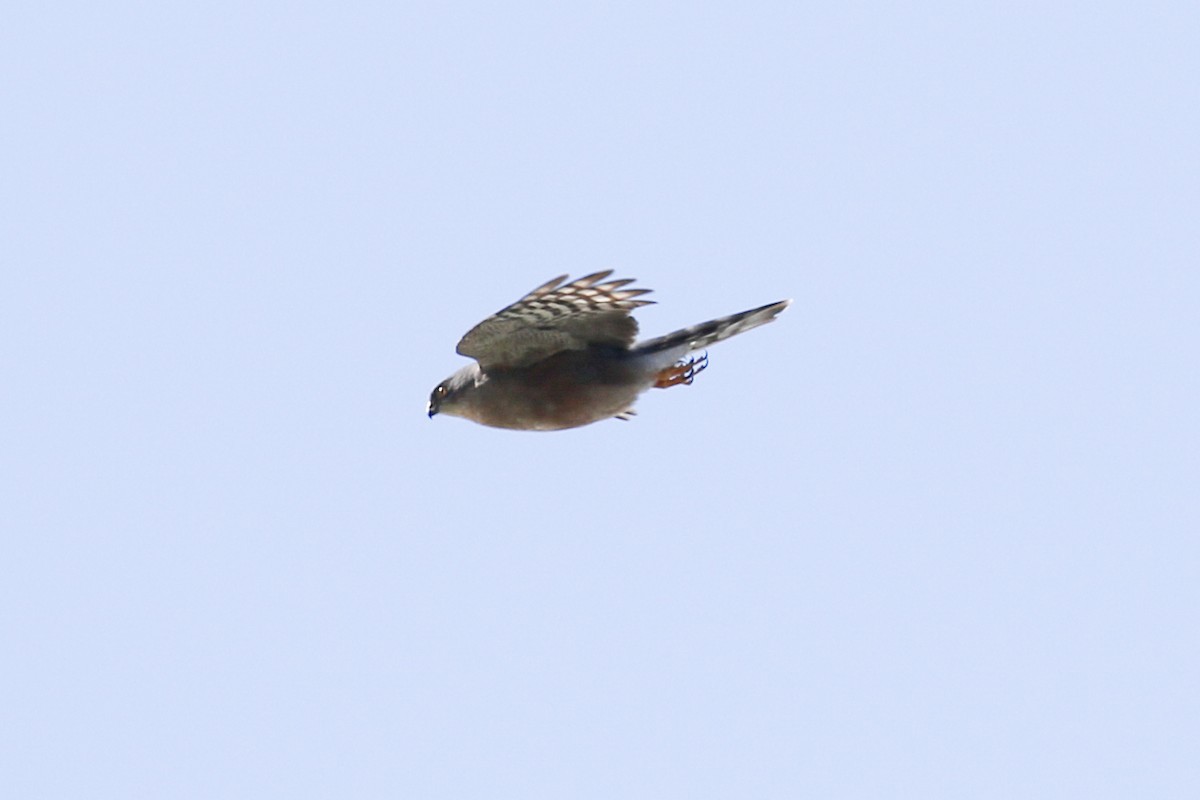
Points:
(684, 372)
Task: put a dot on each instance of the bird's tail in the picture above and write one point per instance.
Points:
(698, 337)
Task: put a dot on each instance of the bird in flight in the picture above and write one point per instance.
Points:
(565, 355)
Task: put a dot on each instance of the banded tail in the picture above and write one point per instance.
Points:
(698, 337)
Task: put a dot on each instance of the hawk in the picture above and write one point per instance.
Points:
(565, 355)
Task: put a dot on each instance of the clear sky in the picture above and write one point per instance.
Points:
(934, 533)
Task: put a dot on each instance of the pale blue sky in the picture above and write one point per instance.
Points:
(932, 534)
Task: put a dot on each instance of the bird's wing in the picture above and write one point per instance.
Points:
(554, 317)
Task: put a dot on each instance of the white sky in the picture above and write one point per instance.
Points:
(931, 534)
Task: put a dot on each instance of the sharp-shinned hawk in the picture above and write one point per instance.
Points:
(564, 356)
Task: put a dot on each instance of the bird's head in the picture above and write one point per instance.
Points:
(448, 396)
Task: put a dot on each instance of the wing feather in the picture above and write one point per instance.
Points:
(554, 317)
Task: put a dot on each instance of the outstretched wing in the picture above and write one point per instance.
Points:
(555, 317)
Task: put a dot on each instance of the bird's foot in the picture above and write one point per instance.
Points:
(682, 373)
